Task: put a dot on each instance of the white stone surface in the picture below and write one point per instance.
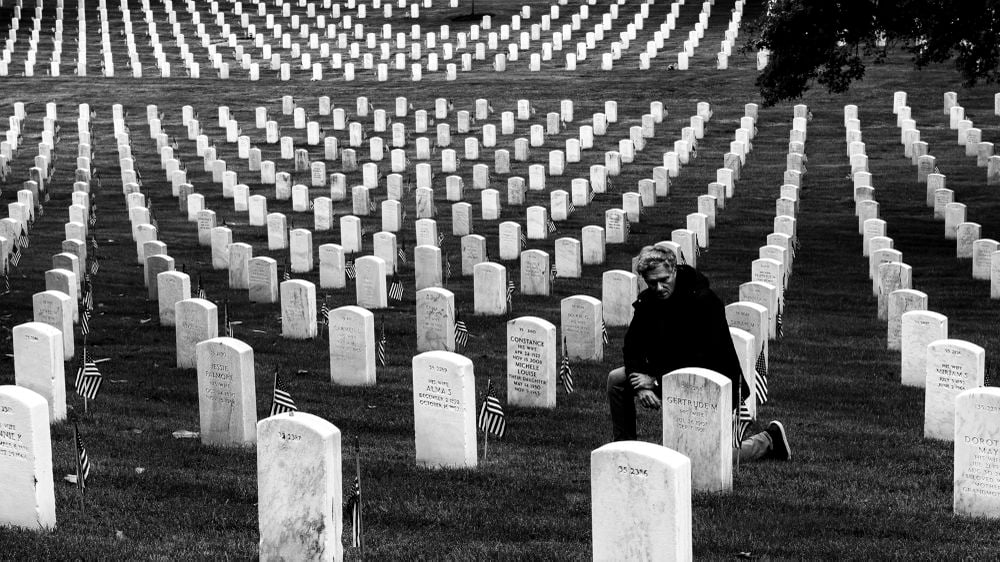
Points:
(531, 362)
(953, 366)
(640, 503)
(698, 422)
(38, 365)
(444, 410)
(27, 497)
(299, 488)
(227, 398)
(977, 453)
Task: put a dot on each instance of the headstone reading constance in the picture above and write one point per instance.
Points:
(299, 488)
(444, 416)
(227, 398)
(27, 497)
(640, 502)
(531, 362)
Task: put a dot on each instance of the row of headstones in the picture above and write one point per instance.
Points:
(967, 234)
(554, 122)
(559, 211)
(371, 174)
(946, 368)
(193, 68)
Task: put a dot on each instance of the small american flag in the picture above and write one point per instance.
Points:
(550, 225)
(570, 207)
(85, 322)
(741, 422)
(778, 331)
(349, 269)
(627, 226)
(282, 401)
(88, 295)
(761, 381)
(523, 239)
(510, 295)
(92, 221)
(95, 265)
(201, 288)
(447, 268)
(396, 289)
(401, 254)
(23, 240)
(590, 196)
(225, 320)
(372, 207)
(380, 355)
(491, 416)
(604, 333)
(88, 378)
(4, 284)
(93, 243)
(324, 314)
(461, 333)
(565, 371)
(15, 256)
(353, 506)
(285, 273)
(82, 460)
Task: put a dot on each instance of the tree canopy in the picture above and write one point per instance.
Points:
(830, 42)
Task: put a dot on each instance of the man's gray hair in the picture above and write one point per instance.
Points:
(651, 257)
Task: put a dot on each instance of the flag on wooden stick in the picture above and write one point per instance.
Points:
(565, 371)
(461, 333)
(88, 377)
(82, 460)
(380, 351)
(282, 401)
(491, 416)
(760, 385)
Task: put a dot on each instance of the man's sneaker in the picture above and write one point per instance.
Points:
(779, 442)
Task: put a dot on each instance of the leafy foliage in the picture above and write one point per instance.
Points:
(831, 43)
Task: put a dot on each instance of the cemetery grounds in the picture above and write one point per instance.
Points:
(863, 482)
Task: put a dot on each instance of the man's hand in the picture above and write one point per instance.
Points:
(642, 381)
(649, 400)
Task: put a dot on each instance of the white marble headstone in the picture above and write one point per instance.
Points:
(27, 497)
(299, 488)
(227, 398)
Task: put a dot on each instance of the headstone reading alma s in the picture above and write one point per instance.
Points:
(299, 488)
(640, 503)
(444, 417)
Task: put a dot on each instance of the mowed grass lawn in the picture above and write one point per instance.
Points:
(863, 482)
